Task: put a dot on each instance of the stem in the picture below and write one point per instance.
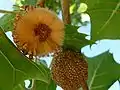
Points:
(5, 11)
(65, 11)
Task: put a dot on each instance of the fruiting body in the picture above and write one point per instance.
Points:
(38, 31)
(70, 70)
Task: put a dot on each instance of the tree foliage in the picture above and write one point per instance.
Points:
(103, 70)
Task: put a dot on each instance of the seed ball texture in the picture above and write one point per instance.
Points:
(38, 31)
(70, 70)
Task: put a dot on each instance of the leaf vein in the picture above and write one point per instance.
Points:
(111, 16)
(94, 75)
(11, 66)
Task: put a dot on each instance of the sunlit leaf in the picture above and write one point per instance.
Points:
(72, 7)
(82, 8)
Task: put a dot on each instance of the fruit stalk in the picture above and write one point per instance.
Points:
(65, 11)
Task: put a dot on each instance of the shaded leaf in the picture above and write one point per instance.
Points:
(6, 22)
(54, 5)
(73, 39)
(103, 71)
(15, 67)
(20, 87)
(44, 86)
(105, 18)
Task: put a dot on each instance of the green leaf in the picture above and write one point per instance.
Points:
(82, 8)
(54, 5)
(103, 71)
(15, 67)
(105, 18)
(29, 2)
(17, 2)
(44, 86)
(6, 22)
(74, 39)
(72, 7)
(20, 87)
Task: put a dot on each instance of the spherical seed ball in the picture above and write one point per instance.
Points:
(70, 70)
(38, 31)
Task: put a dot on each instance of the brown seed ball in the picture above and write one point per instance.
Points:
(70, 70)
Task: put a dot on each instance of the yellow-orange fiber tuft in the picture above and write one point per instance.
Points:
(38, 32)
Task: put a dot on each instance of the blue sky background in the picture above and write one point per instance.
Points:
(101, 46)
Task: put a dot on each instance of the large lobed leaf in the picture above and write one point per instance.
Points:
(15, 67)
(105, 18)
(74, 39)
(103, 71)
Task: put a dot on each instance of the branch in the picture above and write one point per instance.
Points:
(65, 11)
(5, 11)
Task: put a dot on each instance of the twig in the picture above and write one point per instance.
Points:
(65, 11)
(5, 11)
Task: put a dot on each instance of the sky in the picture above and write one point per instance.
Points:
(100, 47)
